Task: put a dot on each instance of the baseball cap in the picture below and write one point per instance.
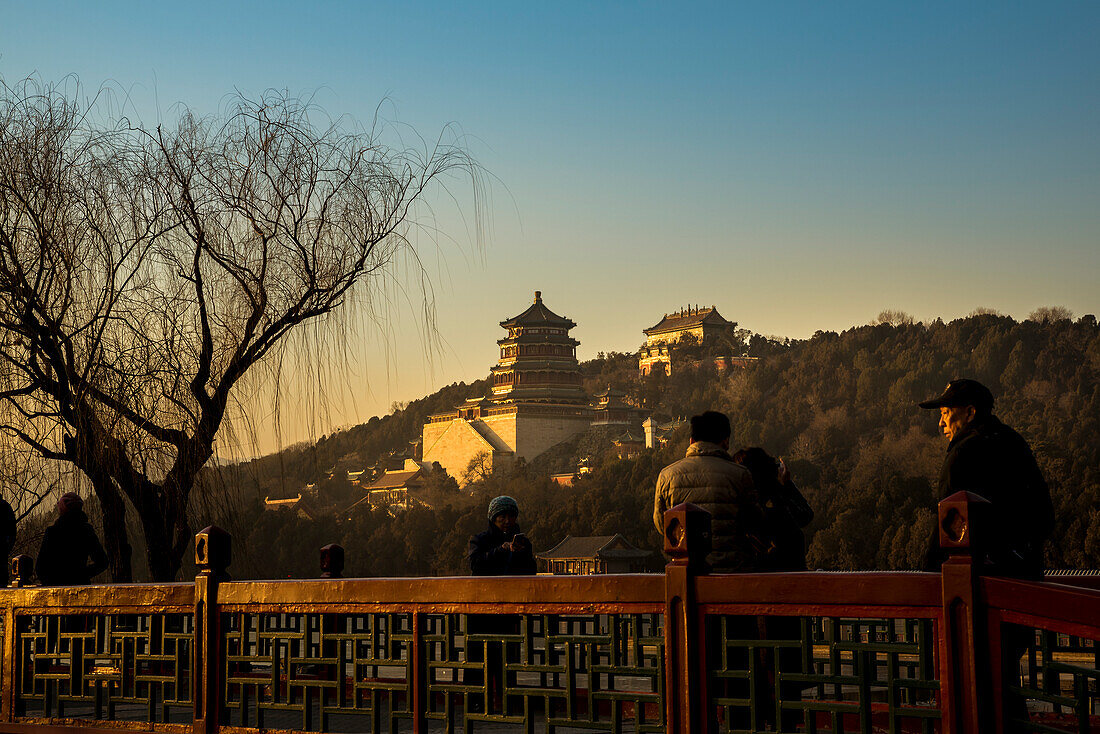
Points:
(962, 392)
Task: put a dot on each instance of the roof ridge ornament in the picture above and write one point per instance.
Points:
(538, 296)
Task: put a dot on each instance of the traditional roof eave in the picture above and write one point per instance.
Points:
(678, 322)
(538, 314)
(595, 546)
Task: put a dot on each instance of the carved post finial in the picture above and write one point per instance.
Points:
(213, 552)
(963, 524)
(332, 561)
(687, 536)
(22, 571)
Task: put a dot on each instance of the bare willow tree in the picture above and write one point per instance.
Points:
(144, 272)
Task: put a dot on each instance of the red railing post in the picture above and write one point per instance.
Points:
(212, 556)
(418, 675)
(687, 543)
(963, 522)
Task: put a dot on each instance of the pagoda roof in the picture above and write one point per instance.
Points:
(611, 392)
(593, 546)
(538, 314)
(628, 437)
(687, 319)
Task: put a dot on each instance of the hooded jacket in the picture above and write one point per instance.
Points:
(71, 554)
(709, 478)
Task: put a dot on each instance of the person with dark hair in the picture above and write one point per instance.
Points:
(708, 477)
(782, 545)
(502, 549)
(986, 457)
(71, 554)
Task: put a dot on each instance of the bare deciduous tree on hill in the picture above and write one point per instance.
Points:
(144, 273)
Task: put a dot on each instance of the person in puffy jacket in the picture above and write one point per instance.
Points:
(71, 554)
(709, 478)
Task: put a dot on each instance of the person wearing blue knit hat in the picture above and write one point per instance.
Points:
(502, 549)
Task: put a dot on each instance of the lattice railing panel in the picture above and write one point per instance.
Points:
(822, 674)
(546, 672)
(114, 667)
(317, 672)
(1053, 680)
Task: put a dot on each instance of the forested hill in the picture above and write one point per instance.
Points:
(841, 408)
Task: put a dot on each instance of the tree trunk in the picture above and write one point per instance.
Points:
(115, 539)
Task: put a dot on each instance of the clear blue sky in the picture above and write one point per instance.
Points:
(801, 165)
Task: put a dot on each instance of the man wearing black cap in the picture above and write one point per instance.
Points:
(986, 457)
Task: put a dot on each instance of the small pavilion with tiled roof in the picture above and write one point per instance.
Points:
(628, 445)
(594, 554)
(611, 408)
(392, 487)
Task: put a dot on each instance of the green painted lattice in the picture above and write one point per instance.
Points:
(317, 672)
(1053, 681)
(546, 672)
(822, 674)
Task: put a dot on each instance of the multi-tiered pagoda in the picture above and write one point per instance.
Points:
(538, 359)
(536, 399)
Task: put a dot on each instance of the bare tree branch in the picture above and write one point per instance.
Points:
(145, 273)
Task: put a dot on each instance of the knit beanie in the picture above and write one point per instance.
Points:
(501, 505)
(69, 501)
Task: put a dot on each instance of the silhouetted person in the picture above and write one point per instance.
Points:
(708, 477)
(71, 554)
(781, 547)
(501, 550)
(784, 509)
(7, 534)
(986, 457)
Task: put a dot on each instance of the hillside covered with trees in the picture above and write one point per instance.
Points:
(839, 407)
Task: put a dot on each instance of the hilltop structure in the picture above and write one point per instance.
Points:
(670, 340)
(536, 399)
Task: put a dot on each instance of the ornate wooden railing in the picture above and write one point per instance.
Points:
(682, 651)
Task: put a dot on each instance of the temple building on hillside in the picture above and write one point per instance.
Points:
(679, 332)
(536, 399)
(611, 408)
